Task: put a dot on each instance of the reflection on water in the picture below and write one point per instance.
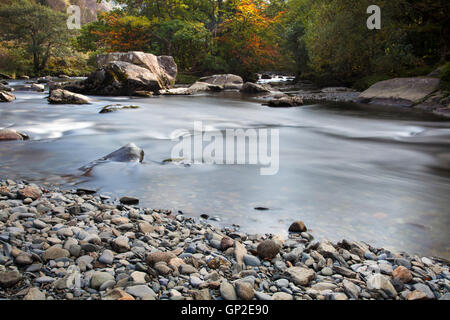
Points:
(363, 173)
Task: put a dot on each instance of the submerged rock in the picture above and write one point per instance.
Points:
(127, 153)
(60, 96)
(11, 134)
(116, 107)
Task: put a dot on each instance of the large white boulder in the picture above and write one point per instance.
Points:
(400, 91)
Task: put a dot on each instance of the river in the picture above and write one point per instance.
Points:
(380, 175)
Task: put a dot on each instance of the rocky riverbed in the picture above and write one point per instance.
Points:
(78, 244)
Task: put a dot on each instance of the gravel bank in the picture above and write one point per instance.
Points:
(77, 244)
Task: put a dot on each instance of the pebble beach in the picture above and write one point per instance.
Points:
(81, 245)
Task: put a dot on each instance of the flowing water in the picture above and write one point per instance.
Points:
(380, 175)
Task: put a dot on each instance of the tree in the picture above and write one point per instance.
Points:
(246, 38)
(187, 41)
(41, 31)
(119, 32)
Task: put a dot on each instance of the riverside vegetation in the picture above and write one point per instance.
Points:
(324, 41)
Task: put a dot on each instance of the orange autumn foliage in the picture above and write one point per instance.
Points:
(247, 35)
(123, 33)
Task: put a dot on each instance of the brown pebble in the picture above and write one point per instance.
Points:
(403, 274)
(297, 226)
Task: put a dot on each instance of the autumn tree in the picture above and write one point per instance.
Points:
(246, 39)
(118, 32)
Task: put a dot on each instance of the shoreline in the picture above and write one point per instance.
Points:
(77, 245)
(306, 91)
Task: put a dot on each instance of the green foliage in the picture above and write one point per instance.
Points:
(363, 83)
(183, 78)
(75, 64)
(40, 31)
(185, 40)
(329, 38)
(445, 77)
(445, 72)
(323, 40)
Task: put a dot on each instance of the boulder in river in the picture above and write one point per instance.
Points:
(128, 73)
(128, 153)
(203, 86)
(6, 96)
(60, 96)
(403, 92)
(214, 83)
(227, 81)
(164, 67)
(250, 87)
(38, 87)
(11, 134)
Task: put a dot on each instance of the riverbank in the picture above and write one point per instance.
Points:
(78, 244)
